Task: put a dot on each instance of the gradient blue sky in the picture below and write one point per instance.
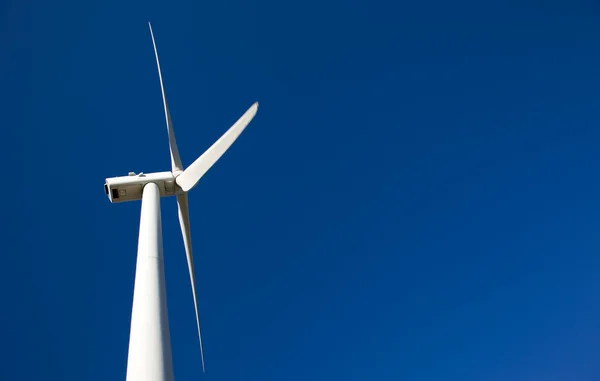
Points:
(417, 199)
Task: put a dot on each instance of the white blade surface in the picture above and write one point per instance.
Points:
(184, 221)
(188, 179)
(175, 159)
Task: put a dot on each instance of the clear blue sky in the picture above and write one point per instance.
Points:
(418, 197)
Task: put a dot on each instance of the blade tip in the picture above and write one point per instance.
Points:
(253, 109)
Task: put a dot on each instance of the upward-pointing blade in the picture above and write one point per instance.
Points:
(175, 159)
(184, 221)
(188, 179)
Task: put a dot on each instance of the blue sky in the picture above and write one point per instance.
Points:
(417, 198)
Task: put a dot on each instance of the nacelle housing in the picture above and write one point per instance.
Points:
(129, 188)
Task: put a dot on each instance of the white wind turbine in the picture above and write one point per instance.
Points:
(149, 357)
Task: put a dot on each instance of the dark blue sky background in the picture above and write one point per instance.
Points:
(417, 199)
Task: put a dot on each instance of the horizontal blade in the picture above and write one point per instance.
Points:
(184, 221)
(175, 159)
(188, 179)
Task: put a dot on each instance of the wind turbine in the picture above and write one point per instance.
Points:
(149, 357)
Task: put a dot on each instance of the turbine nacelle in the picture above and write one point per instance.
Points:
(129, 188)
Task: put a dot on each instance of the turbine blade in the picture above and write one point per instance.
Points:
(184, 221)
(188, 179)
(175, 159)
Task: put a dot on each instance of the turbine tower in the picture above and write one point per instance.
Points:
(149, 357)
